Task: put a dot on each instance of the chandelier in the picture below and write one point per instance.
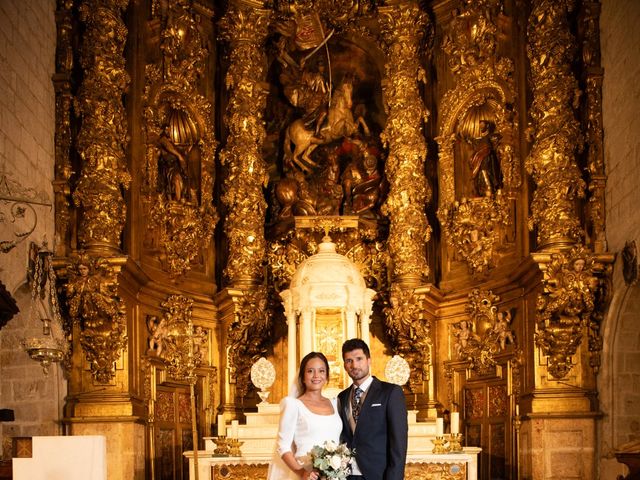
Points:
(49, 347)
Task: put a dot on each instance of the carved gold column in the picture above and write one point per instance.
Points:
(103, 136)
(556, 132)
(101, 398)
(62, 86)
(245, 27)
(592, 78)
(575, 285)
(402, 26)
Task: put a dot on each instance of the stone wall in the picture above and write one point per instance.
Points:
(27, 55)
(619, 379)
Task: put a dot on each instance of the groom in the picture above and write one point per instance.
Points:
(374, 418)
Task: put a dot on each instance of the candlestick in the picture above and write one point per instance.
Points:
(439, 427)
(221, 426)
(455, 422)
(455, 443)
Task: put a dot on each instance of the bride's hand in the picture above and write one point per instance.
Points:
(312, 475)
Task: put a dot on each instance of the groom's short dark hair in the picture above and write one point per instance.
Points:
(355, 344)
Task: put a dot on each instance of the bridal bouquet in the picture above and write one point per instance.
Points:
(332, 460)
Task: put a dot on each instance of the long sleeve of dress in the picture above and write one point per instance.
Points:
(287, 427)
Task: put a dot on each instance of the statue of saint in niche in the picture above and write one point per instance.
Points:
(179, 159)
(484, 162)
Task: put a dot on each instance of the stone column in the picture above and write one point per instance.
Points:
(245, 27)
(402, 26)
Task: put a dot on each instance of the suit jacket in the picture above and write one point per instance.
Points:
(380, 438)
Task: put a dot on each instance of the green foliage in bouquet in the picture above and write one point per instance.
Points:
(333, 461)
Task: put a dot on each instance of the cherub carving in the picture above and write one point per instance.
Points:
(157, 333)
(501, 329)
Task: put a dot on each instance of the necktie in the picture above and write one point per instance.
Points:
(355, 403)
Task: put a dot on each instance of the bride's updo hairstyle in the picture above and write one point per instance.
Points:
(303, 366)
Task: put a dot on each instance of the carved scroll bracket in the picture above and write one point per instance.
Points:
(576, 288)
(94, 306)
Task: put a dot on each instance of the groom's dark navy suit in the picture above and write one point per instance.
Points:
(380, 437)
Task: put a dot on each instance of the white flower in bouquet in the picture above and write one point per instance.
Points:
(333, 461)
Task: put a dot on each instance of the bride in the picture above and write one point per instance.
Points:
(307, 419)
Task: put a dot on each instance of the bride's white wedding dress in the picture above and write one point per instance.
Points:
(299, 431)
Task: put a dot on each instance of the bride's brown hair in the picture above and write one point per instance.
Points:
(303, 365)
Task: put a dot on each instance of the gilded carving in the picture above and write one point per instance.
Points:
(410, 332)
(93, 303)
(254, 471)
(592, 123)
(572, 302)
(62, 136)
(441, 471)
(180, 144)
(103, 136)
(247, 336)
(403, 28)
(245, 168)
(485, 334)
(477, 136)
(354, 238)
(555, 131)
(174, 338)
(473, 228)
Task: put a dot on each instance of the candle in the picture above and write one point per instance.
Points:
(221, 426)
(517, 410)
(455, 422)
(439, 427)
(234, 429)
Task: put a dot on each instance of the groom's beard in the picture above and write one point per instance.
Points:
(358, 373)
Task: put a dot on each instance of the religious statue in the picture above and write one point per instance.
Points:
(362, 182)
(484, 162)
(465, 337)
(501, 329)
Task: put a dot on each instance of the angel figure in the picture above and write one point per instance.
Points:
(465, 336)
(501, 329)
(157, 333)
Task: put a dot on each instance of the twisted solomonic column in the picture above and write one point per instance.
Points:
(103, 136)
(245, 27)
(402, 29)
(557, 137)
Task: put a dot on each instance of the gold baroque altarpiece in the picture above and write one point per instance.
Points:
(451, 149)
